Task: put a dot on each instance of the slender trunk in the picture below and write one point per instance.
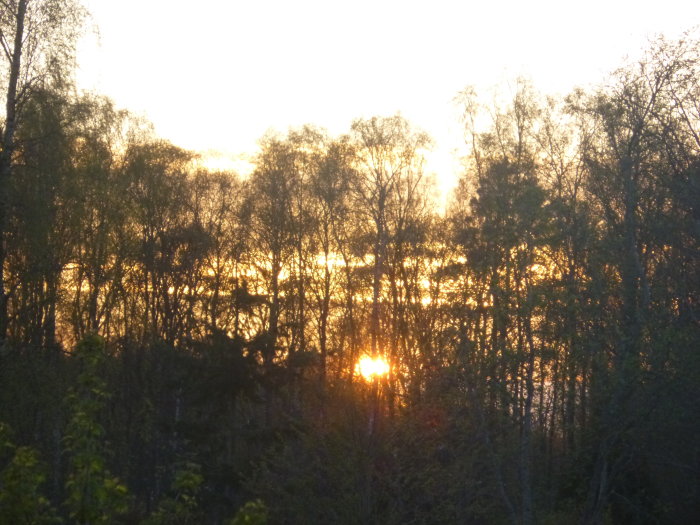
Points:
(350, 312)
(215, 297)
(325, 307)
(493, 456)
(94, 291)
(302, 296)
(526, 439)
(274, 313)
(626, 361)
(49, 327)
(376, 290)
(6, 153)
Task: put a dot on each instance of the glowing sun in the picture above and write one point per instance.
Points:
(372, 367)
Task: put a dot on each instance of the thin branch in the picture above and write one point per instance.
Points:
(5, 47)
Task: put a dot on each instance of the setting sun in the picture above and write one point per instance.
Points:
(371, 367)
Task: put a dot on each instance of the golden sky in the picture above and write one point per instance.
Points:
(217, 74)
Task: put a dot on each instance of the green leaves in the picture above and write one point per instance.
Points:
(21, 499)
(181, 506)
(252, 513)
(93, 494)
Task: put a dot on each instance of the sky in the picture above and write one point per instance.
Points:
(215, 75)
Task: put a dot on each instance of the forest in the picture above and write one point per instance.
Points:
(321, 341)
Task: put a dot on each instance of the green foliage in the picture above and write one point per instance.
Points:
(181, 506)
(252, 513)
(93, 494)
(21, 499)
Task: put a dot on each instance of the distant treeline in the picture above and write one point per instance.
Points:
(178, 344)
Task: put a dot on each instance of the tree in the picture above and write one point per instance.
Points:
(505, 234)
(644, 149)
(390, 160)
(41, 208)
(168, 246)
(38, 39)
(97, 219)
(273, 186)
(21, 500)
(329, 188)
(94, 495)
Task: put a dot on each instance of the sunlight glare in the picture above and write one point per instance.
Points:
(371, 367)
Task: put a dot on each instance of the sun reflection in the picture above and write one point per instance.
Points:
(371, 367)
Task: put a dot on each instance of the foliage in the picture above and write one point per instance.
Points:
(252, 513)
(93, 494)
(181, 507)
(21, 479)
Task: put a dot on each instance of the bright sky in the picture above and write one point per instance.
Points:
(214, 75)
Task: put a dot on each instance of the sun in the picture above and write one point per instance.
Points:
(371, 367)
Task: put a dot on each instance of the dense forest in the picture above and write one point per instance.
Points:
(182, 346)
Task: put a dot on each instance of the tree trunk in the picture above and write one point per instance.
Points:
(6, 153)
